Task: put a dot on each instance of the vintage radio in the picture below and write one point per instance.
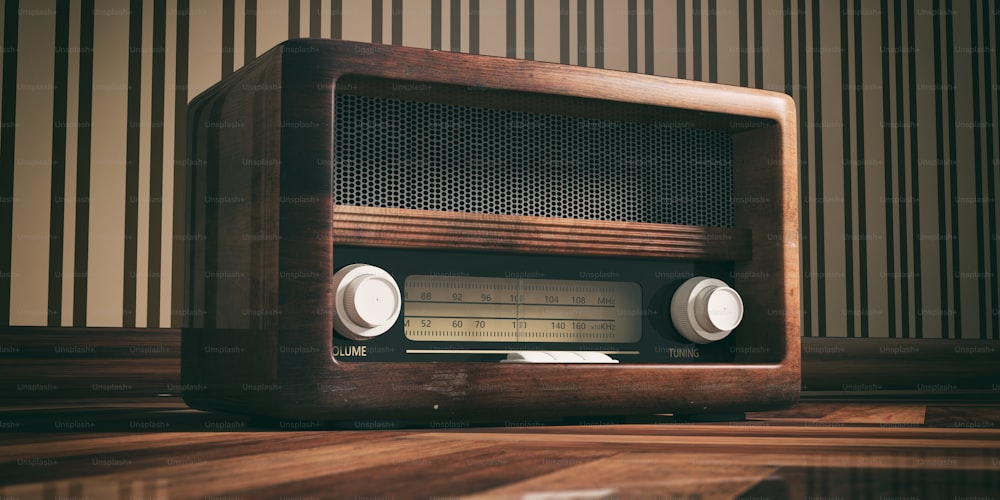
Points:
(397, 233)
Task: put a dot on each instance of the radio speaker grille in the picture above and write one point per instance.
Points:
(432, 156)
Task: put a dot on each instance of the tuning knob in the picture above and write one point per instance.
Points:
(367, 301)
(705, 310)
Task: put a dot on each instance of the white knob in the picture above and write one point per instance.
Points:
(367, 301)
(705, 310)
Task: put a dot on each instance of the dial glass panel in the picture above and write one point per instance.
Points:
(485, 309)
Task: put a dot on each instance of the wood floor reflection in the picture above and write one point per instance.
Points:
(161, 449)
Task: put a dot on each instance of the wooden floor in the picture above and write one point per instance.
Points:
(160, 449)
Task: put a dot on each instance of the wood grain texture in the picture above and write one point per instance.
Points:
(777, 454)
(66, 363)
(263, 246)
(401, 228)
(639, 475)
(877, 414)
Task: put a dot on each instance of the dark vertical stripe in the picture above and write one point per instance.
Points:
(649, 43)
(681, 39)
(397, 22)
(133, 129)
(696, 39)
(890, 252)
(181, 165)
(818, 147)
(512, 28)
(901, 193)
(529, 30)
(337, 20)
(436, 24)
(744, 51)
(713, 42)
(941, 166)
(315, 18)
(861, 167)
(991, 164)
(456, 25)
(81, 258)
(473, 26)
(564, 31)
(8, 119)
(293, 19)
(581, 32)
(228, 35)
(849, 236)
(977, 151)
(249, 32)
(633, 37)
(918, 298)
(57, 202)
(376, 21)
(156, 162)
(953, 168)
(598, 33)
(804, 175)
(758, 45)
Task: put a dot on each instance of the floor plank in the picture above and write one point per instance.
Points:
(879, 414)
(458, 474)
(258, 469)
(637, 475)
(875, 437)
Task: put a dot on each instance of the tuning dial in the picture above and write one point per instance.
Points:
(367, 301)
(705, 310)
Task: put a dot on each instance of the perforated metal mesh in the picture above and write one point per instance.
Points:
(428, 156)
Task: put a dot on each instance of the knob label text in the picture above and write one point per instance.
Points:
(348, 351)
(683, 352)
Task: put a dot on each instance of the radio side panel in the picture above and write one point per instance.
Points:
(231, 241)
(767, 202)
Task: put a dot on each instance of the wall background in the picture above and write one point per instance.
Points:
(897, 104)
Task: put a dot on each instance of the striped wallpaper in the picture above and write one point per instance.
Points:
(897, 106)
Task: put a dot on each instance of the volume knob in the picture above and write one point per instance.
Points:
(367, 301)
(705, 310)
